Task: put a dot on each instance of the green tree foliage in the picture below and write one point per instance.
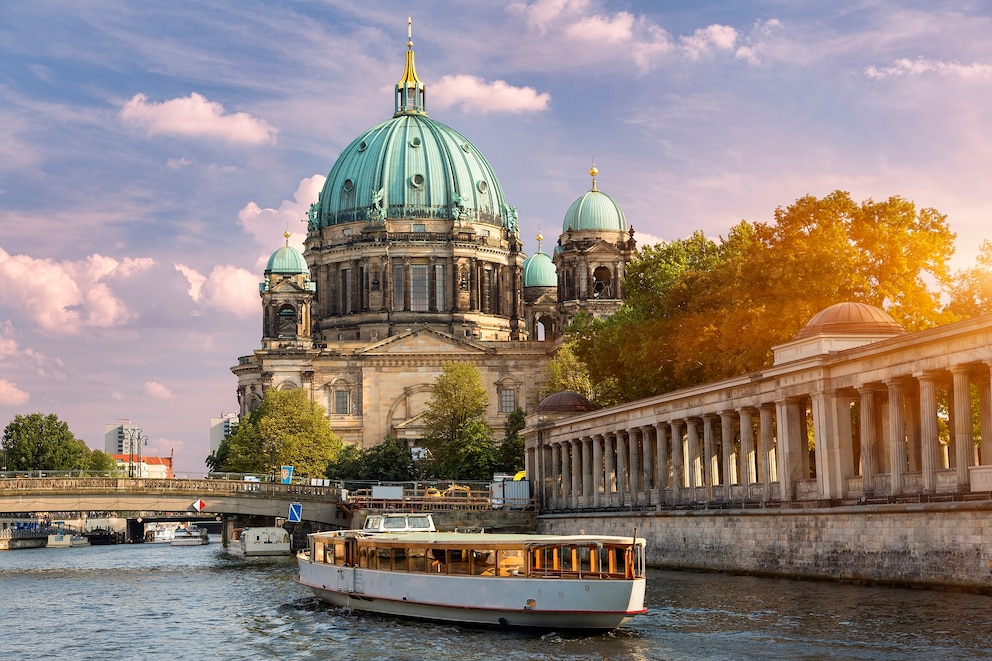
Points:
(456, 433)
(390, 461)
(700, 310)
(43, 442)
(100, 461)
(510, 458)
(286, 429)
(971, 292)
(566, 372)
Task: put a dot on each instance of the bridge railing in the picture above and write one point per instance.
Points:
(49, 484)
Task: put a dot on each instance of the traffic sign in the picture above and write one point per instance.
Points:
(198, 504)
(295, 512)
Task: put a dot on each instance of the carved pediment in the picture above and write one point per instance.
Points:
(422, 341)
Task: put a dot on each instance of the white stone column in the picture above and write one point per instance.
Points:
(635, 469)
(868, 440)
(928, 430)
(650, 478)
(622, 473)
(555, 475)
(727, 450)
(832, 436)
(566, 475)
(587, 471)
(897, 437)
(985, 414)
(711, 465)
(575, 447)
(661, 446)
(964, 444)
(766, 448)
(747, 450)
(678, 465)
(609, 459)
(692, 458)
(598, 470)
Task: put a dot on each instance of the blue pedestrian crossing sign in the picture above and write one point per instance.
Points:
(295, 512)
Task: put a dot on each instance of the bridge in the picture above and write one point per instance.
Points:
(322, 504)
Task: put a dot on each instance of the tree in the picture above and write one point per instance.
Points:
(100, 461)
(700, 311)
(565, 372)
(971, 293)
(286, 429)
(389, 461)
(510, 458)
(42, 442)
(457, 397)
(456, 432)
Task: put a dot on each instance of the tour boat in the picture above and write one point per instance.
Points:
(190, 536)
(63, 540)
(589, 582)
(264, 541)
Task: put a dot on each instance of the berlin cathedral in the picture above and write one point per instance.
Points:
(413, 259)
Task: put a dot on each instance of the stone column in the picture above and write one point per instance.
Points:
(692, 458)
(964, 444)
(678, 467)
(832, 436)
(766, 448)
(868, 440)
(747, 450)
(661, 445)
(566, 475)
(635, 467)
(555, 486)
(587, 472)
(897, 437)
(928, 430)
(648, 465)
(597, 471)
(727, 447)
(985, 413)
(609, 457)
(576, 482)
(711, 464)
(622, 464)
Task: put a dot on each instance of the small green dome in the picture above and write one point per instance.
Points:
(540, 271)
(595, 211)
(287, 261)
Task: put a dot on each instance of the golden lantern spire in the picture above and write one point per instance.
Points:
(410, 89)
(592, 173)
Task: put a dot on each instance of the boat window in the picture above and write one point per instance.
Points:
(417, 559)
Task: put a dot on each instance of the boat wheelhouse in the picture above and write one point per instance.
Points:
(261, 541)
(516, 580)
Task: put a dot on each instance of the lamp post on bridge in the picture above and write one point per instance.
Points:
(135, 437)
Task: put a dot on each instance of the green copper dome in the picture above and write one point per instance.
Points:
(411, 166)
(288, 261)
(595, 210)
(539, 270)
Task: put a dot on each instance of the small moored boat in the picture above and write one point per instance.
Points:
(589, 582)
(190, 536)
(263, 541)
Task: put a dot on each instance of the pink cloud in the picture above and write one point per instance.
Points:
(195, 116)
(474, 94)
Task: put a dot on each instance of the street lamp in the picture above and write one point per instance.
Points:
(134, 437)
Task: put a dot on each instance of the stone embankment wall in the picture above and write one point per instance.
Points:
(933, 544)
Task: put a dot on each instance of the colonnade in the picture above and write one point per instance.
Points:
(849, 430)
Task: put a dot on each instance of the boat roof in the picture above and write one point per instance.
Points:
(461, 540)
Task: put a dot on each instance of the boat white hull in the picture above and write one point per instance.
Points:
(542, 603)
(261, 542)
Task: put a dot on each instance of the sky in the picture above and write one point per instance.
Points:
(153, 154)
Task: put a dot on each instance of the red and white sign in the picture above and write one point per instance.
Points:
(198, 504)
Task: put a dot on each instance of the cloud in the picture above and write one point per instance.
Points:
(921, 66)
(266, 226)
(158, 391)
(475, 95)
(232, 289)
(66, 297)
(195, 116)
(543, 13)
(11, 395)
(177, 163)
(705, 40)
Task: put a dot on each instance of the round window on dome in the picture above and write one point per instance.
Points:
(417, 181)
(466, 148)
(415, 143)
(362, 146)
(349, 185)
(482, 186)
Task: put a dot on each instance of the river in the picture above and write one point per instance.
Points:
(153, 601)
